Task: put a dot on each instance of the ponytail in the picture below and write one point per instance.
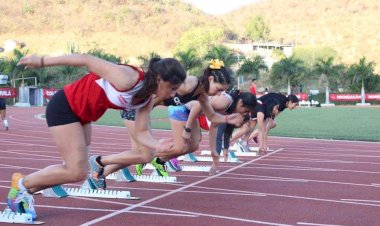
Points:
(169, 69)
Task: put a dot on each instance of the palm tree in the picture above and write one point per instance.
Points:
(254, 67)
(222, 53)
(289, 69)
(362, 71)
(189, 59)
(327, 69)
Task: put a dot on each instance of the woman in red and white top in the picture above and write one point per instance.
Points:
(70, 112)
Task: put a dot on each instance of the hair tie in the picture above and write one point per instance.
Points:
(216, 64)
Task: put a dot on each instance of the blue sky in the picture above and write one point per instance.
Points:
(217, 7)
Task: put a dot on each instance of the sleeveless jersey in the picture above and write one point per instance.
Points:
(90, 96)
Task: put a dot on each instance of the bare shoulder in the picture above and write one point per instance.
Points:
(128, 76)
(188, 85)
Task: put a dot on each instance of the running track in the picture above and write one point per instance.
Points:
(302, 182)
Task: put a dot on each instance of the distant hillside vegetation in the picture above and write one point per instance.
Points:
(130, 28)
(122, 27)
(352, 27)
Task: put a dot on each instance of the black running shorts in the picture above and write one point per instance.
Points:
(58, 111)
(2, 104)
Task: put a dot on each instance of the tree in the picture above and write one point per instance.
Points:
(199, 38)
(257, 29)
(362, 71)
(326, 68)
(222, 53)
(253, 67)
(288, 69)
(189, 59)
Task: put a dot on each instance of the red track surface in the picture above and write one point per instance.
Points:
(302, 182)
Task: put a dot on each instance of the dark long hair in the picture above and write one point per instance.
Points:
(221, 75)
(249, 100)
(170, 71)
(269, 105)
(293, 98)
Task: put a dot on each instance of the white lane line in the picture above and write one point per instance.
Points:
(291, 168)
(284, 139)
(24, 152)
(315, 224)
(326, 169)
(361, 200)
(178, 190)
(111, 210)
(332, 155)
(18, 167)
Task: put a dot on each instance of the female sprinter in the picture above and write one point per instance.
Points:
(70, 112)
(231, 102)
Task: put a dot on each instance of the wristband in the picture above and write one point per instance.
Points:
(187, 129)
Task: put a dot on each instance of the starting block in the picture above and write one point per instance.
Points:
(85, 191)
(184, 168)
(191, 156)
(8, 216)
(125, 175)
(232, 154)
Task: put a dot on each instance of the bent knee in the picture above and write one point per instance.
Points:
(78, 175)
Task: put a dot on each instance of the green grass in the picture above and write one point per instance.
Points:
(345, 123)
(342, 123)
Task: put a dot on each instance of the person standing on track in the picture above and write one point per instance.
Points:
(253, 87)
(3, 109)
(70, 112)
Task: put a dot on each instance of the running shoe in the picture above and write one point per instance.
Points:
(20, 201)
(174, 164)
(139, 169)
(97, 178)
(243, 147)
(160, 169)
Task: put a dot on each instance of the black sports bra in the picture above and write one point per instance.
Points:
(178, 100)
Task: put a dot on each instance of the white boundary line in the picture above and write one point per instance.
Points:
(178, 190)
(315, 224)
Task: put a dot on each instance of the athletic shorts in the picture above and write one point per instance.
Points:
(58, 111)
(179, 113)
(129, 114)
(2, 104)
(204, 123)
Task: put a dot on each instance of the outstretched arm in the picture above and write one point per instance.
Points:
(121, 77)
(262, 131)
(142, 133)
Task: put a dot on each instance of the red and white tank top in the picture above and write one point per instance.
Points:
(90, 96)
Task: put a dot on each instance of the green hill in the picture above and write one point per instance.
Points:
(130, 28)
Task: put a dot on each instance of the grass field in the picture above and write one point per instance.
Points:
(342, 123)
